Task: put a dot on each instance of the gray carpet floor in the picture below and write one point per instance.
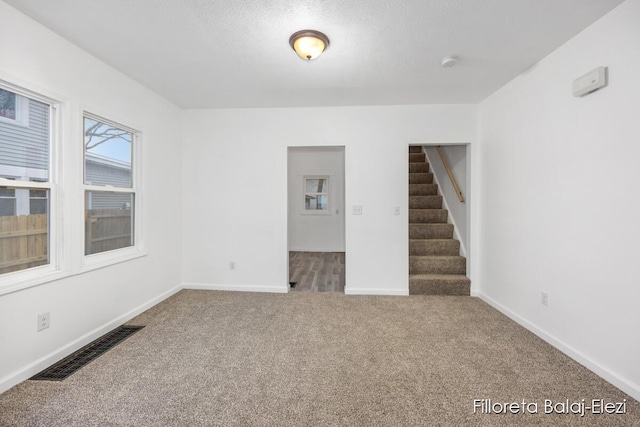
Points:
(210, 358)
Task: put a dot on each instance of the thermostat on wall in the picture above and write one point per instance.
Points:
(593, 80)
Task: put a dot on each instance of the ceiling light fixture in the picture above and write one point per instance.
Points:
(448, 61)
(309, 44)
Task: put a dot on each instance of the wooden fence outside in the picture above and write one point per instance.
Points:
(107, 229)
(24, 239)
(23, 242)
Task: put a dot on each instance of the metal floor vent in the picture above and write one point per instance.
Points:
(86, 354)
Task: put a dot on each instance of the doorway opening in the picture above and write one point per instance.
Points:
(439, 220)
(316, 218)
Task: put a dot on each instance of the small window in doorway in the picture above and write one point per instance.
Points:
(316, 194)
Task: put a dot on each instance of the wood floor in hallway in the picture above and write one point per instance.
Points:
(317, 271)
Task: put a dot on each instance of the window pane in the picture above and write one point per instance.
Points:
(318, 202)
(316, 185)
(7, 104)
(24, 235)
(38, 206)
(7, 192)
(7, 206)
(108, 221)
(38, 201)
(108, 154)
(24, 151)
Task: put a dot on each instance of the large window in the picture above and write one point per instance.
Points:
(25, 181)
(109, 183)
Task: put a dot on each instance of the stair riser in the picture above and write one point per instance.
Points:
(434, 247)
(420, 178)
(415, 149)
(423, 189)
(437, 287)
(437, 265)
(425, 202)
(418, 167)
(428, 216)
(417, 158)
(430, 231)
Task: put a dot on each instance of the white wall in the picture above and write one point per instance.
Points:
(456, 156)
(227, 151)
(555, 180)
(559, 206)
(84, 305)
(312, 231)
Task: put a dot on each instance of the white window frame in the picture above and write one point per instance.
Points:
(54, 270)
(103, 259)
(305, 193)
(22, 109)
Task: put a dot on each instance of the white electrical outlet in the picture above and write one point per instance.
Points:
(544, 299)
(357, 209)
(232, 265)
(43, 321)
(396, 210)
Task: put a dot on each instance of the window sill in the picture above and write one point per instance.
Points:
(106, 259)
(325, 212)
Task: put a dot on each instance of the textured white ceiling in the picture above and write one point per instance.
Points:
(235, 53)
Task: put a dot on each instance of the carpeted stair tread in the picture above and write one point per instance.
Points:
(423, 189)
(417, 158)
(434, 247)
(428, 216)
(439, 284)
(415, 149)
(430, 231)
(437, 264)
(420, 178)
(418, 167)
(425, 202)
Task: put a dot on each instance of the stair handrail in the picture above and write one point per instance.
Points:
(451, 177)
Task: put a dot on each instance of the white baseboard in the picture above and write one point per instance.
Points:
(239, 288)
(371, 291)
(44, 362)
(614, 378)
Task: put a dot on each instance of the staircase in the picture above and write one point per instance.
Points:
(435, 264)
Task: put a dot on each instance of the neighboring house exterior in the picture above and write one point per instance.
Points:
(24, 136)
(24, 156)
(101, 170)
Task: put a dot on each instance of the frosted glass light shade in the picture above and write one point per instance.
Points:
(309, 44)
